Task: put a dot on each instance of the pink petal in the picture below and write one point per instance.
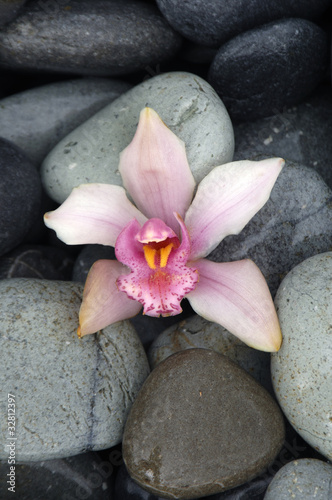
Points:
(93, 213)
(155, 170)
(226, 199)
(103, 304)
(235, 295)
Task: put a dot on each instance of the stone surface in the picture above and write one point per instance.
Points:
(88, 255)
(95, 38)
(302, 369)
(200, 425)
(216, 22)
(290, 54)
(299, 133)
(302, 479)
(38, 118)
(294, 224)
(20, 195)
(71, 395)
(198, 332)
(186, 103)
(9, 9)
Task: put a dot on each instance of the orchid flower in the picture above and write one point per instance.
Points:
(160, 243)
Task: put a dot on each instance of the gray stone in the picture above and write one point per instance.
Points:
(186, 103)
(291, 55)
(302, 479)
(299, 133)
(302, 369)
(294, 224)
(71, 395)
(198, 332)
(93, 38)
(9, 9)
(200, 425)
(37, 119)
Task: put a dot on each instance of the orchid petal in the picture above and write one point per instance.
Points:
(155, 170)
(103, 304)
(235, 295)
(93, 213)
(226, 199)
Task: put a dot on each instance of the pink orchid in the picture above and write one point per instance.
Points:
(160, 245)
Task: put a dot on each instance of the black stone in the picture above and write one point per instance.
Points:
(9, 9)
(88, 255)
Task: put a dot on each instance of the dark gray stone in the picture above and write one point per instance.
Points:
(294, 224)
(267, 68)
(20, 195)
(84, 37)
(200, 425)
(9, 9)
(88, 255)
(299, 133)
(37, 119)
(214, 22)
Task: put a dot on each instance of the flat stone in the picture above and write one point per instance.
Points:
(71, 395)
(291, 54)
(38, 118)
(302, 368)
(294, 224)
(198, 332)
(302, 479)
(200, 425)
(83, 37)
(186, 103)
(9, 9)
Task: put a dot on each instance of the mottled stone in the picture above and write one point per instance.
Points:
(294, 224)
(71, 395)
(9, 9)
(302, 479)
(302, 369)
(290, 54)
(198, 332)
(38, 118)
(20, 195)
(186, 103)
(92, 38)
(200, 425)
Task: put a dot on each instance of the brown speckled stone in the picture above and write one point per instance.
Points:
(200, 425)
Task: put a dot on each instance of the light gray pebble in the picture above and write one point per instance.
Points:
(186, 103)
(71, 395)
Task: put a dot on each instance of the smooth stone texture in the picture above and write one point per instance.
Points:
(198, 332)
(294, 224)
(302, 479)
(198, 407)
(37, 119)
(84, 476)
(9, 9)
(302, 369)
(186, 103)
(299, 133)
(20, 195)
(87, 256)
(94, 38)
(215, 22)
(36, 261)
(71, 395)
(290, 54)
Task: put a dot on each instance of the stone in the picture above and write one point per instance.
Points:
(221, 21)
(72, 395)
(87, 38)
(294, 224)
(9, 9)
(200, 425)
(38, 118)
(87, 256)
(186, 103)
(299, 133)
(20, 194)
(302, 368)
(290, 54)
(302, 479)
(197, 332)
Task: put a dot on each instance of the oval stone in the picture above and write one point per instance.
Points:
(302, 368)
(71, 395)
(185, 102)
(200, 425)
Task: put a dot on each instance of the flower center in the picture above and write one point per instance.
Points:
(157, 258)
